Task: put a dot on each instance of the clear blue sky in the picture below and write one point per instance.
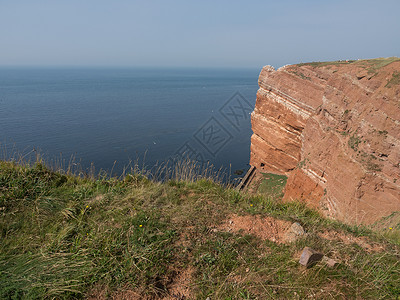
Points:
(190, 33)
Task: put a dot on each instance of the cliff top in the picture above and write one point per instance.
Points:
(306, 82)
(386, 71)
(372, 64)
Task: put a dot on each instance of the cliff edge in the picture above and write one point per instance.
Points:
(334, 129)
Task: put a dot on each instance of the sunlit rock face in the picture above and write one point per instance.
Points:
(334, 129)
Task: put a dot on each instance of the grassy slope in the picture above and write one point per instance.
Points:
(68, 237)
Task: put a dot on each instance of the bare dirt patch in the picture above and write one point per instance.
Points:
(180, 287)
(266, 228)
(347, 239)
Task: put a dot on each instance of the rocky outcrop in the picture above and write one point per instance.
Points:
(334, 129)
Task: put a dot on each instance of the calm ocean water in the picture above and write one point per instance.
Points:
(105, 115)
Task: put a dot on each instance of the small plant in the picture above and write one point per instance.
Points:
(383, 132)
(354, 141)
(303, 163)
(301, 75)
(369, 161)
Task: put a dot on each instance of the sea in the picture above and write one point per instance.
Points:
(106, 119)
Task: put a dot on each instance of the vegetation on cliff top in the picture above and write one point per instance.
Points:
(64, 236)
(372, 65)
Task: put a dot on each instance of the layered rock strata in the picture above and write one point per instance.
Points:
(334, 129)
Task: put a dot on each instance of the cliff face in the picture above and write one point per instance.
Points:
(334, 130)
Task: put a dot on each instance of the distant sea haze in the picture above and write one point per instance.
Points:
(108, 117)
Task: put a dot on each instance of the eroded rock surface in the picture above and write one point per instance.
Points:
(334, 129)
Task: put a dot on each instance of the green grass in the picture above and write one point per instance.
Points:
(395, 80)
(317, 64)
(354, 141)
(301, 75)
(372, 65)
(370, 162)
(67, 237)
(272, 185)
(389, 227)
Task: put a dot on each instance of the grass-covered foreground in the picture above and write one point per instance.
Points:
(69, 237)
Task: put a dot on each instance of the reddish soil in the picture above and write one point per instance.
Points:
(181, 286)
(266, 228)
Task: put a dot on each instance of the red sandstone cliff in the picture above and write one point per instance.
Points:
(334, 130)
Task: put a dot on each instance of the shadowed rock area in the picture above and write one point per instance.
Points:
(334, 129)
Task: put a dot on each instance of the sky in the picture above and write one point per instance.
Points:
(188, 33)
